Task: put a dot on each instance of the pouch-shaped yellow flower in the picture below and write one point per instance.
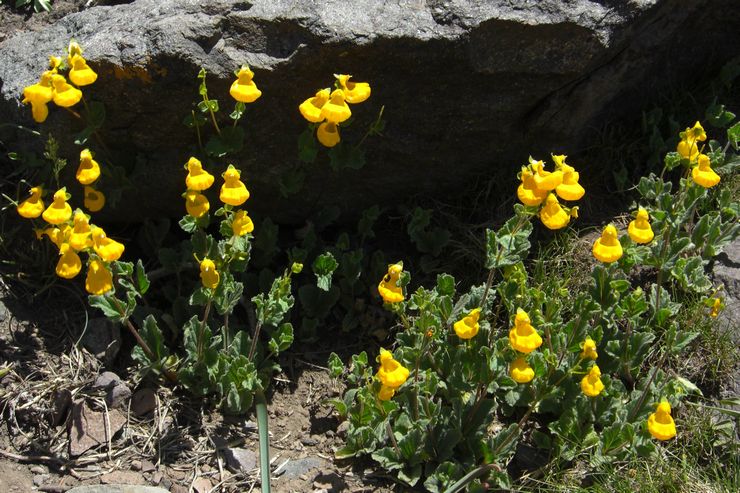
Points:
(39, 95)
(588, 349)
(523, 337)
(69, 264)
(591, 384)
(552, 215)
(391, 373)
(59, 211)
(388, 287)
(328, 134)
(639, 229)
(607, 248)
(33, 206)
(89, 169)
(336, 109)
(467, 327)
(241, 224)
(688, 146)
(107, 249)
(65, 94)
(546, 180)
(311, 108)
(81, 234)
(527, 192)
(209, 276)
(703, 174)
(570, 189)
(660, 423)
(233, 191)
(196, 203)
(386, 393)
(58, 236)
(244, 89)
(354, 92)
(94, 199)
(73, 48)
(99, 279)
(198, 179)
(716, 307)
(520, 371)
(80, 73)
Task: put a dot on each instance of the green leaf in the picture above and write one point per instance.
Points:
(307, 146)
(336, 367)
(346, 156)
(239, 108)
(107, 305)
(142, 281)
(324, 267)
(733, 135)
(509, 245)
(672, 160)
(367, 221)
(281, 339)
(689, 272)
(208, 106)
(718, 116)
(230, 141)
(445, 285)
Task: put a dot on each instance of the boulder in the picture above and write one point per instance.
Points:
(470, 88)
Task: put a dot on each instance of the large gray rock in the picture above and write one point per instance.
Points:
(469, 87)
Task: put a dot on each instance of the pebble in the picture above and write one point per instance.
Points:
(40, 479)
(38, 469)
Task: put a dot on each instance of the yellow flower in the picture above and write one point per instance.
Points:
(94, 199)
(89, 170)
(198, 179)
(65, 94)
(79, 73)
(687, 146)
(99, 279)
(336, 110)
(80, 236)
(242, 224)
(59, 211)
(523, 337)
(391, 373)
(467, 327)
(546, 180)
(386, 393)
(570, 189)
(233, 191)
(354, 92)
(703, 174)
(54, 62)
(196, 203)
(591, 384)
(69, 264)
(209, 276)
(311, 108)
(33, 206)
(552, 215)
(589, 349)
(639, 229)
(244, 89)
(388, 288)
(660, 423)
(716, 307)
(58, 236)
(39, 95)
(108, 249)
(328, 134)
(520, 371)
(528, 192)
(73, 48)
(607, 248)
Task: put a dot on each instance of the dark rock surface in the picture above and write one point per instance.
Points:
(470, 88)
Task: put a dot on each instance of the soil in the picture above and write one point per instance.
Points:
(13, 20)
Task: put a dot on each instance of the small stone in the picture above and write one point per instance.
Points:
(106, 380)
(136, 465)
(38, 469)
(240, 459)
(202, 485)
(250, 426)
(117, 395)
(342, 429)
(178, 488)
(143, 402)
(40, 479)
(122, 477)
(103, 339)
(156, 477)
(295, 468)
(147, 466)
(165, 483)
(309, 441)
(88, 428)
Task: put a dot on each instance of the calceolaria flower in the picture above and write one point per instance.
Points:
(73, 48)
(58, 236)
(89, 169)
(688, 146)
(59, 211)
(99, 279)
(354, 92)
(311, 107)
(523, 337)
(552, 215)
(39, 95)
(388, 287)
(520, 371)
(107, 249)
(717, 307)
(244, 89)
(591, 384)
(527, 192)
(242, 223)
(198, 179)
(391, 373)
(607, 248)
(80, 73)
(336, 109)
(328, 134)
(545, 180)
(639, 229)
(65, 94)
(386, 393)
(703, 174)
(94, 199)
(196, 203)
(209, 276)
(467, 327)
(81, 234)
(660, 423)
(588, 349)
(69, 264)
(233, 191)
(569, 189)
(33, 206)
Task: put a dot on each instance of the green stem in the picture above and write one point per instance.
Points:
(469, 477)
(253, 347)
(264, 437)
